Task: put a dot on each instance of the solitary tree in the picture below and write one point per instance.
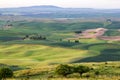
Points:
(97, 73)
(5, 73)
(26, 36)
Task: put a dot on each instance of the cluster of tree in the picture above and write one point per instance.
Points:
(65, 70)
(35, 37)
(5, 73)
(10, 25)
(76, 41)
(78, 32)
(109, 20)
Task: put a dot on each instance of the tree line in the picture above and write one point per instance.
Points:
(35, 37)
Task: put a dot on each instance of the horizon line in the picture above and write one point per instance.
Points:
(56, 6)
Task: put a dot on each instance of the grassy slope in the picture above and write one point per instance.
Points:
(41, 53)
(38, 53)
(54, 31)
(112, 33)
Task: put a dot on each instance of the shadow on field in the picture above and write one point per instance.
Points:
(106, 55)
(8, 38)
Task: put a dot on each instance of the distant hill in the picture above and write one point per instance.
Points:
(50, 11)
(43, 6)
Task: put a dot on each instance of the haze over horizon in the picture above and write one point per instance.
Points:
(100, 4)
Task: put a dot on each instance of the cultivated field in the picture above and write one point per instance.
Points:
(24, 51)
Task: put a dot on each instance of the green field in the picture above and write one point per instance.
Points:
(34, 55)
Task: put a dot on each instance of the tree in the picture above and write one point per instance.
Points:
(63, 70)
(97, 73)
(60, 39)
(109, 20)
(81, 69)
(76, 41)
(78, 32)
(26, 36)
(5, 73)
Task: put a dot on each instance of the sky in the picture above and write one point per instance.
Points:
(106, 4)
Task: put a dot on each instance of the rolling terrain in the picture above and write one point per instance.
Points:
(34, 56)
(55, 31)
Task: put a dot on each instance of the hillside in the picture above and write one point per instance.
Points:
(55, 31)
(23, 49)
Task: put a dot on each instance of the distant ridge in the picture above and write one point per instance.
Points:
(38, 6)
(45, 6)
(51, 11)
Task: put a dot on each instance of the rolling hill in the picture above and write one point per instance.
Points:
(38, 58)
(50, 11)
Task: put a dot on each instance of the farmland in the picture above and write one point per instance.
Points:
(40, 57)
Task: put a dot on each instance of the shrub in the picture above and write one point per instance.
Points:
(6, 73)
(97, 73)
(81, 69)
(63, 70)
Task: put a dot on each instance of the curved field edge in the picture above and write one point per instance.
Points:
(28, 54)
